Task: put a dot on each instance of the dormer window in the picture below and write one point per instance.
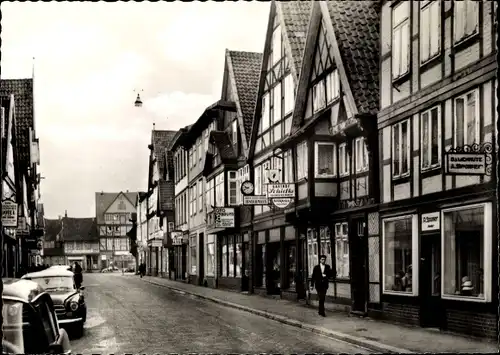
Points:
(234, 130)
(343, 160)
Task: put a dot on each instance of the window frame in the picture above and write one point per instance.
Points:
(408, 152)
(332, 81)
(316, 157)
(429, 152)
(229, 181)
(347, 160)
(487, 250)
(465, 36)
(200, 195)
(397, 27)
(429, 7)
(304, 159)
(338, 236)
(415, 257)
(477, 111)
(363, 168)
(316, 105)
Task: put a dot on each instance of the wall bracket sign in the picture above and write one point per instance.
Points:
(472, 160)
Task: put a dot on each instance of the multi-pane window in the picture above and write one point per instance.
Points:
(200, 151)
(342, 250)
(302, 161)
(234, 131)
(200, 195)
(192, 251)
(401, 149)
(466, 19)
(361, 154)
(210, 194)
(219, 190)
(467, 119)
(319, 96)
(288, 166)
(192, 200)
(232, 187)
(400, 39)
(332, 86)
(431, 138)
(344, 165)
(430, 30)
(324, 162)
(277, 165)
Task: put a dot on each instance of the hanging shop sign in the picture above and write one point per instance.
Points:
(9, 214)
(224, 217)
(430, 221)
(255, 200)
(176, 238)
(103, 257)
(281, 191)
(282, 202)
(472, 160)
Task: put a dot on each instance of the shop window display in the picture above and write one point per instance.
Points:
(230, 253)
(239, 257)
(341, 251)
(292, 264)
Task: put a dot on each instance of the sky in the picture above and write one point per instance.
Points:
(91, 59)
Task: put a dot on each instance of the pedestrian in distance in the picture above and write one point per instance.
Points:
(77, 277)
(319, 280)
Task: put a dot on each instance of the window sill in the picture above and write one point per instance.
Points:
(436, 59)
(464, 298)
(465, 41)
(431, 170)
(399, 293)
(401, 178)
(401, 79)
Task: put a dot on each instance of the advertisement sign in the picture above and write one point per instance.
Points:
(22, 226)
(282, 202)
(281, 190)
(224, 217)
(431, 221)
(466, 163)
(103, 257)
(176, 238)
(9, 214)
(255, 200)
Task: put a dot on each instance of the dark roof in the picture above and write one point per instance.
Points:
(50, 272)
(22, 89)
(26, 290)
(223, 143)
(177, 140)
(161, 140)
(79, 229)
(141, 196)
(245, 67)
(104, 199)
(356, 27)
(52, 229)
(296, 19)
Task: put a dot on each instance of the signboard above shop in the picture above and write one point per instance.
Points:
(466, 163)
(430, 222)
(255, 200)
(224, 217)
(281, 190)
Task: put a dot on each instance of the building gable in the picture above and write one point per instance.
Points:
(121, 205)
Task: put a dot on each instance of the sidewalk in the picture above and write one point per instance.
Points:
(375, 335)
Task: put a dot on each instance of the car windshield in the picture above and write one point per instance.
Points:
(55, 283)
(12, 312)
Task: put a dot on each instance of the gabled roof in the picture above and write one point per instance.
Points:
(52, 229)
(223, 144)
(177, 139)
(104, 199)
(79, 229)
(22, 89)
(293, 17)
(161, 140)
(243, 69)
(356, 28)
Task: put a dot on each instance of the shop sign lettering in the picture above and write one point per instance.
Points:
(281, 191)
(9, 214)
(224, 217)
(282, 202)
(255, 200)
(430, 221)
(359, 202)
(466, 163)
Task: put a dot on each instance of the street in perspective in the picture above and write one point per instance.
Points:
(249, 177)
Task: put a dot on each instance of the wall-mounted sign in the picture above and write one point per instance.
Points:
(255, 200)
(176, 238)
(359, 202)
(282, 202)
(281, 191)
(224, 217)
(430, 221)
(9, 214)
(247, 188)
(103, 257)
(466, 163)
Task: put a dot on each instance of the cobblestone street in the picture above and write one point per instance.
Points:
(127, 315)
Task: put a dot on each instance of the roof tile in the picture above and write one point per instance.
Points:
(223, 144)
(161, 140)
(79, 229)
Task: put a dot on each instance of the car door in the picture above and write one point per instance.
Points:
(46, 312)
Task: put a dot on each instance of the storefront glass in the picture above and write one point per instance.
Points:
(230, 253)
(342, 251)
(224, 257)
(192, 252)
(398, 254)
(246, 247)
(292, 263)
(464, 252)
(325, 242)
(312, 250)
(239, 256)
(210, 255)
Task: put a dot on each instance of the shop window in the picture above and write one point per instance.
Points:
(239, 256)
(325, 244)
(192, 252)
(312, 247)
(466, 239)
(325, 164)
(219, 190)
(466, 19)
(292, 264)
(342, 251)
(224, 257)
(431, 138)
(230, 256)
(210, 255)
(400, 255)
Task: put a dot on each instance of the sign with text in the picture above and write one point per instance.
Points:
(281, 190)
(466, 163)
(430, 221)
(255, 200)
(9, 214)
(282, 202)
(224, 217)
(176, 238)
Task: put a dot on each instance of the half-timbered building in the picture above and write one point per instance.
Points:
(436, 133)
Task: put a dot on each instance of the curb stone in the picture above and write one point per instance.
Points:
(366, 343)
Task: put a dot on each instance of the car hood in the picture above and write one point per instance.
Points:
(60, 297)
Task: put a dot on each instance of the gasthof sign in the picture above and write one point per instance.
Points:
(9, 214)
(281, 190)
(466, 164)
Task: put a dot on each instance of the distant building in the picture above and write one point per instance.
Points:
(141, 203)
(53, 246)
(113, 218)
(81, 242)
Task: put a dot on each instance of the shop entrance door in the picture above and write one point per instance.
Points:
(430, 281)
(201, 258)
(273, 268)
(358, 250)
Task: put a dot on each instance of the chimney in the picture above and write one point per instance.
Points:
(66, 213)
(127, 191)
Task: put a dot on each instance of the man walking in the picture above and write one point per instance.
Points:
(78, 277)
(319, 280)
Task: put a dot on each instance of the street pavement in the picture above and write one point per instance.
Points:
(128, 315)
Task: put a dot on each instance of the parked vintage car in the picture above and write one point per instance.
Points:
(69, 303)
(29, 321)
(64, 267)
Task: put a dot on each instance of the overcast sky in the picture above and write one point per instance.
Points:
(89, 59)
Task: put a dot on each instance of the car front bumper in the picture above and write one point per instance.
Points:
(66, 321)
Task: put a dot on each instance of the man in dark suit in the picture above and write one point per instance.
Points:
(319, 280)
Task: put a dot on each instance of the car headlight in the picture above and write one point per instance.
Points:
(73, 305)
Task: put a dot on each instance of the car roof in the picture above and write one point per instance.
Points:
(26, 290)
(55, 272)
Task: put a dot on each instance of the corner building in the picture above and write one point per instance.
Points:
(437, 217)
